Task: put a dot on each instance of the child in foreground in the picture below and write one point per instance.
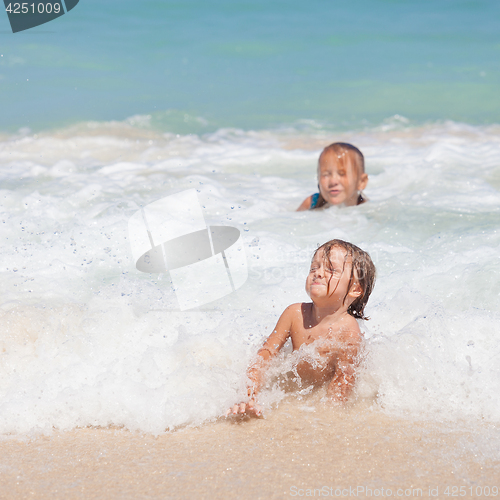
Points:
(341, 178)
(339, 283)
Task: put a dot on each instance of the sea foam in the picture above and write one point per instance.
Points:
(86, 339)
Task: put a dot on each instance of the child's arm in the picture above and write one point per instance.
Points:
(256, 370)
(342, 383)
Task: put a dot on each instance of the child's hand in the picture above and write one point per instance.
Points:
(250, 408)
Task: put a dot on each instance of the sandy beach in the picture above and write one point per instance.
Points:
(297, 450)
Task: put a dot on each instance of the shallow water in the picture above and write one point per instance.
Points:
(89, 340)
(304, 448)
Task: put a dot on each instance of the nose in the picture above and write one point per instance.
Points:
(333, 179)
(318, 272)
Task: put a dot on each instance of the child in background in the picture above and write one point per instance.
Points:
(339, 283)
(341, 177)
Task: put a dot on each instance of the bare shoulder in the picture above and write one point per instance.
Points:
(305, 205)
(294, 311)
(350, 332)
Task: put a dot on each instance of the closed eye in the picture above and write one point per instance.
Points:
(334, 271)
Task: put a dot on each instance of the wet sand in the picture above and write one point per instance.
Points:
(297, 449)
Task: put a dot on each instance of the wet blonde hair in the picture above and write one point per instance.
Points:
(362, 271)
(342, 150)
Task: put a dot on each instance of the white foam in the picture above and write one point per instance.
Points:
(88, 340)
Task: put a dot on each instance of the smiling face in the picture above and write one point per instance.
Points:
(328, 281)
(340, 177)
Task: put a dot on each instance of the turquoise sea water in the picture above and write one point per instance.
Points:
(198, 66)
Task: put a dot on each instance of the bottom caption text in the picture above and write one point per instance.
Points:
(394, 492)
